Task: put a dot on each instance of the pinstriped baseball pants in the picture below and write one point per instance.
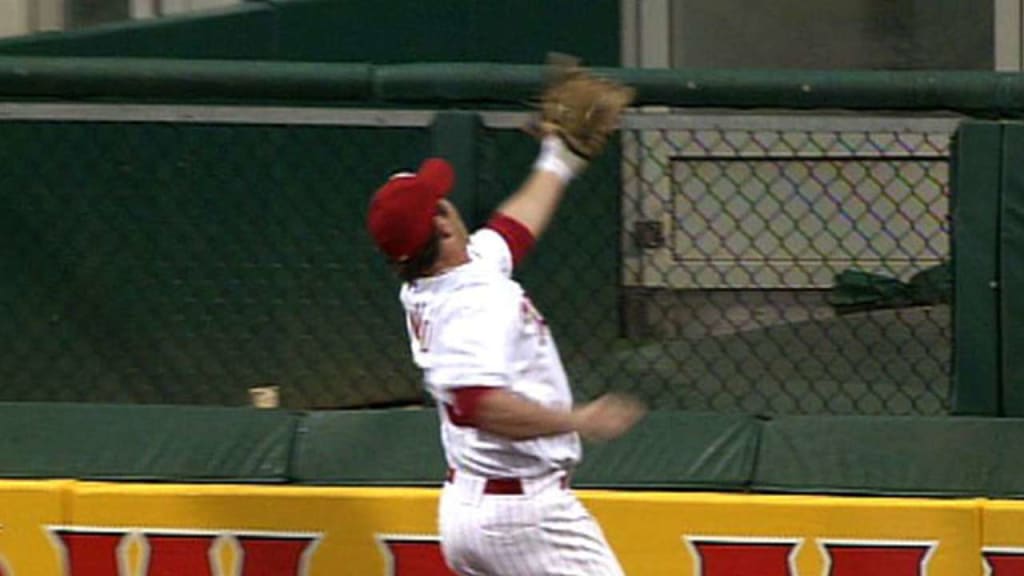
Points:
(546, 531)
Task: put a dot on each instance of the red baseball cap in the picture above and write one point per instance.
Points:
(402, 211)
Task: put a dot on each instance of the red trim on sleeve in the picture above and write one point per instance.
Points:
(518, 237)
(463, 411)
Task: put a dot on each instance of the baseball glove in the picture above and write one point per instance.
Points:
(580, 108)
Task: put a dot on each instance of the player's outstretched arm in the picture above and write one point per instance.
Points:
(536, 201)
(608, 417)
(507, 414)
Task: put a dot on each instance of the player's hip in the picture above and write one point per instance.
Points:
(504, 505)
(549, 532)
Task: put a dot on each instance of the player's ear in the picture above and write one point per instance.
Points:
(444, 226)
(443, 221)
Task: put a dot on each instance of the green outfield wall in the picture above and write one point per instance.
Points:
(669, 450)
(1011, 283)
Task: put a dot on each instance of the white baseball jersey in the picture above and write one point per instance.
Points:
(474, 326)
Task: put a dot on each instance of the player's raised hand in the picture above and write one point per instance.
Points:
(608, 417)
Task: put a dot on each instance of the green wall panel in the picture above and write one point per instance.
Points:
(1011, 252)
(891, 456)
(402, 447)
(162, 443)
(676, 451)
(391, 447)
(668, 450)
(975, 190)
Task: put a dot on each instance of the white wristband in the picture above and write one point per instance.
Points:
(556, 158)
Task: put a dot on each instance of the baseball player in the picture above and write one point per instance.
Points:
(510, 432)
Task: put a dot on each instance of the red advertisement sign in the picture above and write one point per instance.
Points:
(412, 555)
(1003, 561)
(101, 552)
(107, 529)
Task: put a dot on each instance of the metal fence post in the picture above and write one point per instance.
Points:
(455, 136)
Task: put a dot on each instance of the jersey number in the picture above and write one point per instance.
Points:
(533, 316)
(420, 327)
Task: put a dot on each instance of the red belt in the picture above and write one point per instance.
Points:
(505, 486)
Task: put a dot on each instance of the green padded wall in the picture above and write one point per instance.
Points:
(676, 451)
(390, 447)
(1011, 252)
(975, 190)
(402, 447)
(668, 450)
(891, 456)
(153, 443)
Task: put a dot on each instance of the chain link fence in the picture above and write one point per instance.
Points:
(790, 264)
(725, 261)
(191, 255)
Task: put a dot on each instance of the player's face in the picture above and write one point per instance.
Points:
(451, 221)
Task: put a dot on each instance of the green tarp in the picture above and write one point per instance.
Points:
(858, 290)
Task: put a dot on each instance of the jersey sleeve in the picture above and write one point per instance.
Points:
(502, 243)
(516, 235)
(471, 345)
